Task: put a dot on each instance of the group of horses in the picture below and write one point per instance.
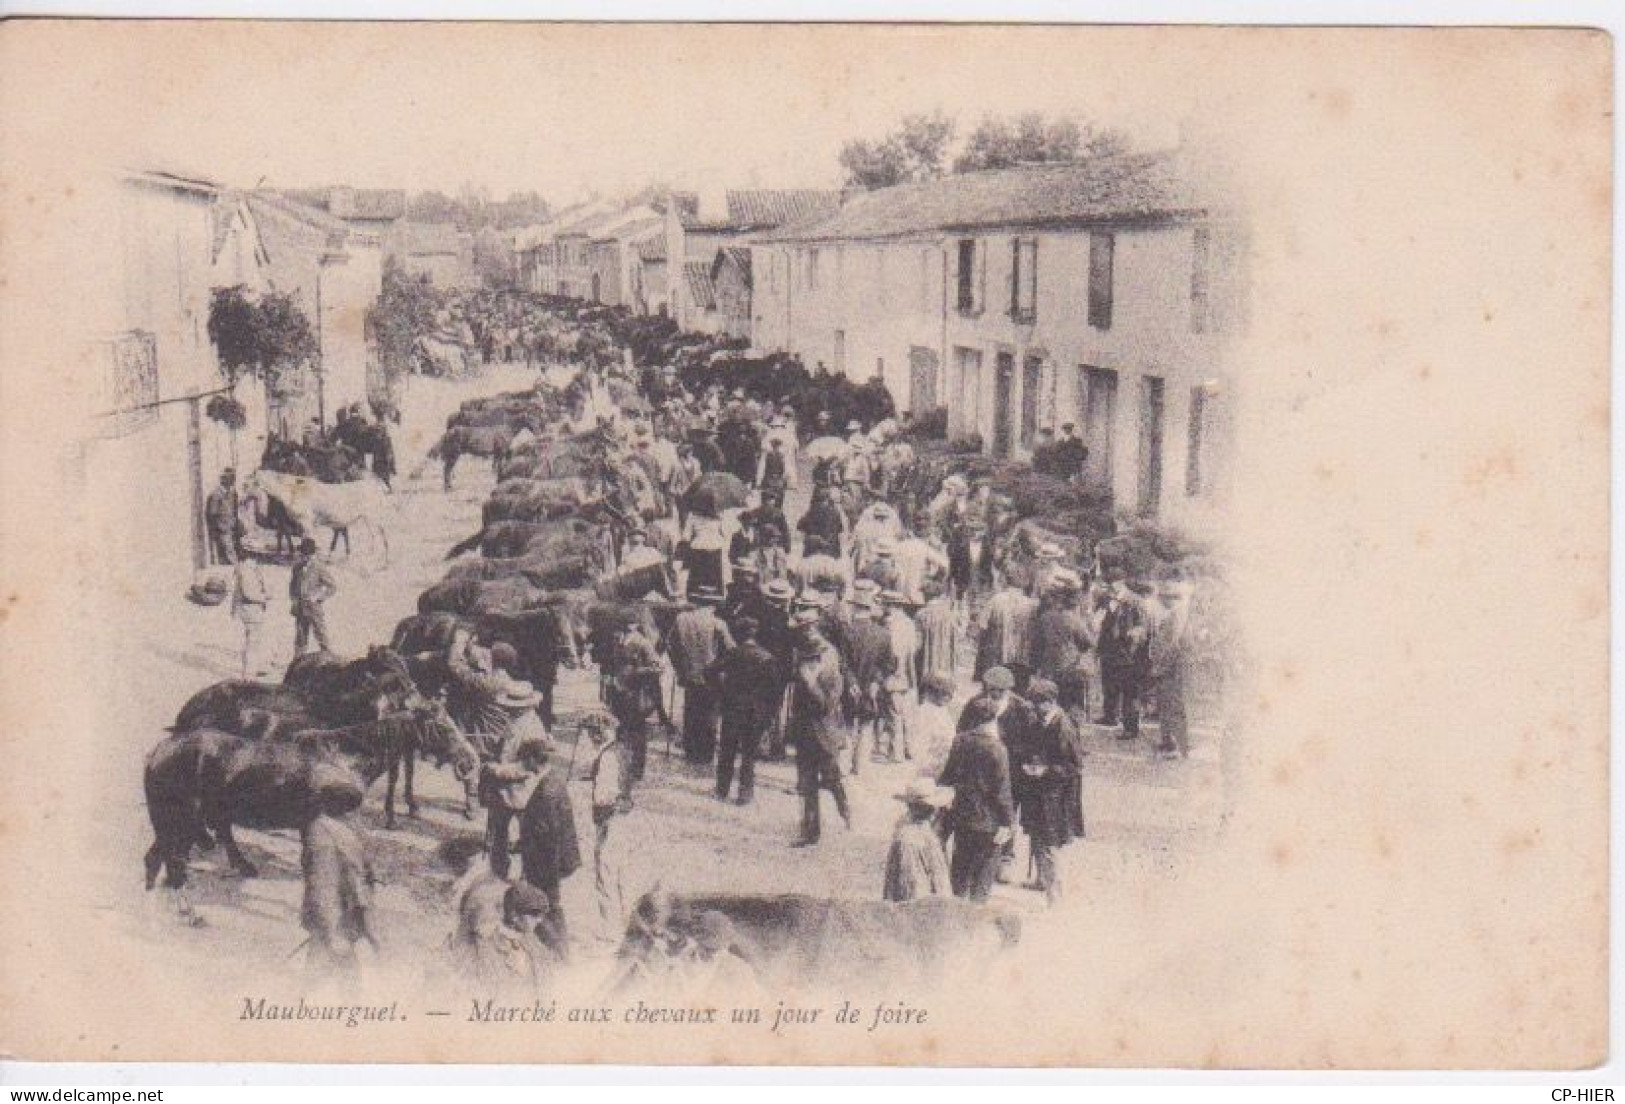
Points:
(243, 753)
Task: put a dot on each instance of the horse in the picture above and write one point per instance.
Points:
(458, 441)
(202, 782)
(335, 506)
(355, 690)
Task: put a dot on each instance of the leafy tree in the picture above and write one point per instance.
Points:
(915, 151)
(999, 143)
(404, 312)
(258, 337)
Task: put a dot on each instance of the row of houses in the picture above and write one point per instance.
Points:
(1103, 293)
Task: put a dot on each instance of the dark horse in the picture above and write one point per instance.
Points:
(204, 781)
(319, 689)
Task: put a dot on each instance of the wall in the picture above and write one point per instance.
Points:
(1150, 336)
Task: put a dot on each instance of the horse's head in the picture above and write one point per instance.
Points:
(447, 743)
(393, 689)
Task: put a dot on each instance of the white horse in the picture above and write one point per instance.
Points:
(335, 506)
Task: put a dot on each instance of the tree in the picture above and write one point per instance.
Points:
(405, 311)
(1000, 143)
(915, 151)
(258, 337)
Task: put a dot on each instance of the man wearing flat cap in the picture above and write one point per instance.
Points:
(1047, 777)
(983, 809)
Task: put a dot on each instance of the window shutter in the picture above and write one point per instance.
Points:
(980, 284)
(1015, 278)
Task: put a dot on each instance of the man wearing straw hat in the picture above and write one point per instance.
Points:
(508, 781)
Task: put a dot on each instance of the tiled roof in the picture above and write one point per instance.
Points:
(1097, 190)
(630, 231)
(758, 208)
(700, 288)
(652, 248)
(265, 203)
(738, 255)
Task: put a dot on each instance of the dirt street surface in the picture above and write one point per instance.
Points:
(1145, 817)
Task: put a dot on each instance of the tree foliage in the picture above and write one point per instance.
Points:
(258, 336)
(917, 150)
(405, 311)
(1000, 143)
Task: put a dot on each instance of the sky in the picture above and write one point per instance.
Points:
(573, 110)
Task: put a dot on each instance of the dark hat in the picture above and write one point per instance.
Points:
(524, 899)
(503, 655)
(1042, 690)
(998, 678)
(307, 546)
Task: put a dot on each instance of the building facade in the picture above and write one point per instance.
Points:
(1100, 293)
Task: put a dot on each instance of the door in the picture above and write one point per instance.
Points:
(194, 478)
(1003, 395)
(1098, 422)
(1032, 383)
(922, 380)
(1151, 418)
(966, 416)
(596, 288)
(840, 352)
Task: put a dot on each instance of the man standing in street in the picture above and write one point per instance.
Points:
(220, 514)
(817, 707)
(548, 848)
(748, 682)
(249, 600)
(508, 776)
(1049, 779)
(1070, 453)
(309, 587)
(983, 809)
(1124, 660)
(1170, 662)
(698, 638)
(635, 696)
(337, 910)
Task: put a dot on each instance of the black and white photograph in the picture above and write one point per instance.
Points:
(791, 544)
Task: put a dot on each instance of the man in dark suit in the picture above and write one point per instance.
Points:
(817, 725)
(749, 684)
(983, 809)
(1124, 661)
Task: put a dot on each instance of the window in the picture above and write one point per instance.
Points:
(1101, 247)
(1204, 408)
(1201, 260)
(812, 270)
(970, 276)
(880, 368)
(840, 352)
(1151, 413)
(1024, 279)
(965, 397)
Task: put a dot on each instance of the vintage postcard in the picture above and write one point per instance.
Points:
(804, 544)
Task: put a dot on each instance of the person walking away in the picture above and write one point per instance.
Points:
(934, 725)
(1006, 636)
(983, 808)
(337, 909)
(698, 638)
(1124, 661)
(869, 656)
(1061, 640)
(1049, 776)
(548, 849)
(916, 865)
(508, 777)
(817, 708)
(635, 696)
(748, 681)
(938, 625)
(249, 601)
(1170, 668)
(221, 518)
(610, 806)
(902, 686)
(309, 587)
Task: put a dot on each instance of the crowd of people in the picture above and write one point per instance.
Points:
(815, 614)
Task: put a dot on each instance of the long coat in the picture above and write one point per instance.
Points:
(1051, 803)
(547, 832)
(818, 701)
